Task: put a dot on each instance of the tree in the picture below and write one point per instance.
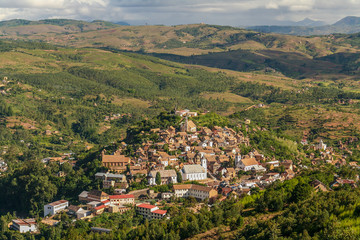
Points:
(158, 178)
(301, 191)
(179, 177)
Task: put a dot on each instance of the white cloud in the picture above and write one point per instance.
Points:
(272, 5)
(230, 12)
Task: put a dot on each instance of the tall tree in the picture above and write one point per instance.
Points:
(158, 178)
(179, 177)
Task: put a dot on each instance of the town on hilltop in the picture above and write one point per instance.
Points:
(181, 162)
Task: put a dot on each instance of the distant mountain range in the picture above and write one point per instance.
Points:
(60, 22)
(309, 27)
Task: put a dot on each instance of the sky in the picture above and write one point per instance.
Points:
(174, 12)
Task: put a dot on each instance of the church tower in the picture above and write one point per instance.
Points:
(237, 160)
(204, 163)
(184, 125)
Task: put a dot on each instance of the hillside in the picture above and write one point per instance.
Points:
(209, 45)
(26, 28)
(71, 94)
(346, 25)
(181, 40)
(221, 57)
(97, 83)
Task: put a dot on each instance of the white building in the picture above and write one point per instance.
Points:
(248, 164)
(126, 199)
(150, 211)
(24, 225)
(194, 171)
(196, 191)
(167, 176)
(321, 145)
(186, 112)
(55, 207)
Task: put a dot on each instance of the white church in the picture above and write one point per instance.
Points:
(194, 171)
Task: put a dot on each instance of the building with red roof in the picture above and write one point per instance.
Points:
(150, 211)
(99, 209)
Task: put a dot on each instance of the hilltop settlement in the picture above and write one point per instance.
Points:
(181, 162)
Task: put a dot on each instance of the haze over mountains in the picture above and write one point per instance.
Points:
(309, 27)
(305, 27)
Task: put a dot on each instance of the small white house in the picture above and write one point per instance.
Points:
(24, 225)
(55, 207)
(83, 214)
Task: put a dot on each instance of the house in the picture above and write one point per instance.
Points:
(272, 164)
(55, 207)
(83, 196)
(319, 186)
(83, 214)
(118, 209)
(340, 182)
(196, 191)
(24, 225)
(99, 209)
(194, 171)
(166, 195)
(230, 173)
(96, 195)
(126, 199)
(73, 210)
(138, 173)
(226, 191)
(206, 131)
(186, 112)
(111, 176)
(116, 162)
(150, 211)
(165, 159)
(182, 113)
(248, 164)
(288, 164)
(93, 204)
(111, 179)
(167, 176)
(121, 188)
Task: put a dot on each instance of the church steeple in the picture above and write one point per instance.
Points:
(204, 163)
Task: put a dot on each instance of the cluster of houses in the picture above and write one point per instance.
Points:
(197, 154)
(94, 203)
(211, 157)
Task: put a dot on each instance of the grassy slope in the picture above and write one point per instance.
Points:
(315, 60)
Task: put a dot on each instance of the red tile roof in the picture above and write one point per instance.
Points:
(25, 221)
(100, 207)
(121, 196)
(144, 205)
(57, 203)
(162, 212)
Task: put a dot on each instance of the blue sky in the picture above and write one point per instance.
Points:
(173, 12)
